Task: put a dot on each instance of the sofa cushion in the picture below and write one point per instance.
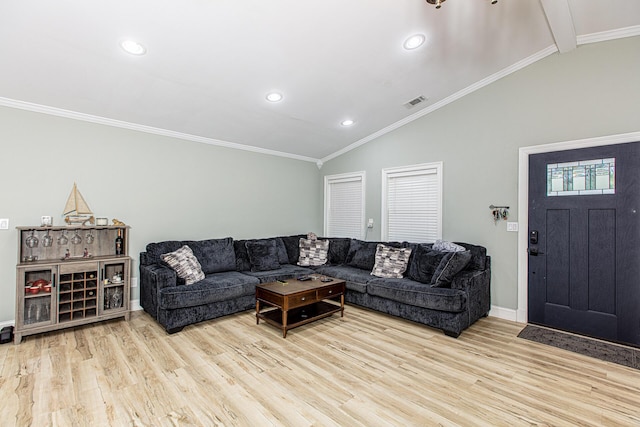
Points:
(424, 263)
(390, 262)
(414, 293)
(355, 278)
(185, 264)
(313, 252)
(263, 255)
(283, 272)
(450, 265)
(214, 255)
(213, 288)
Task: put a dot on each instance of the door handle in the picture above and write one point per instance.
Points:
(534, 252)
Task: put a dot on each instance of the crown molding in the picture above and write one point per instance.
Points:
(448, 100)
(609, 35)
(53, 111)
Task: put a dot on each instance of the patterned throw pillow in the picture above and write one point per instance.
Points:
(444, 246)
(390, 262)
(313, 252)
(186, 265)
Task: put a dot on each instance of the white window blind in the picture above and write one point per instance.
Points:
(344, 205)
(412, 203)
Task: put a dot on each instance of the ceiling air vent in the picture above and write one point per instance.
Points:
(415, 102)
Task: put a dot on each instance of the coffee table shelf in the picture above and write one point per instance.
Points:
(296, 303)
(301, 315)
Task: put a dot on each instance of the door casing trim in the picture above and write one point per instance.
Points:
(523, 201)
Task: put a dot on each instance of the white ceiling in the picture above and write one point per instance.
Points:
(211, 63)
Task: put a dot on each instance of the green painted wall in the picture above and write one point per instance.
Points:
(592, 91)
(162, 187)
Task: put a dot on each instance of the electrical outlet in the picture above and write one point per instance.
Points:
(4, 223)
(512, 226)
(370, 223)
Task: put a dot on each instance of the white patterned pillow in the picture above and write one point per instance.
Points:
(313, 252)
(390, 262)
(444, 246)
(185, 263)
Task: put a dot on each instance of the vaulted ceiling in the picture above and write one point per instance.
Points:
(209, 65)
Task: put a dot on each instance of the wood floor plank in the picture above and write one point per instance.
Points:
(365, 369)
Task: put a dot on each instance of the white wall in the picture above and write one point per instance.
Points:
(163, 188)
(592, 91)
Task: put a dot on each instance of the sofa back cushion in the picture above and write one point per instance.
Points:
(338, 250)
(362, 254)
(243, 263)
(263, 255)
(450, 265)
(478, 256)
(291, 244)
(214, 255)
(423, 264)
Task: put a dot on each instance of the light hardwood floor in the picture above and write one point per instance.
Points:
(366, 369)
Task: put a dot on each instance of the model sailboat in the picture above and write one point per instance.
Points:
(76, 211)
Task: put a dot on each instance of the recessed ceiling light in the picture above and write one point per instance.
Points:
(274, 97)
(347, 122)
(133, 47)
(413, 42)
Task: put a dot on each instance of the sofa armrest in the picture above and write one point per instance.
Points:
(477, 285)
(154, 277)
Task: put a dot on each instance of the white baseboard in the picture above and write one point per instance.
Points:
(503, 313)
(135, 305)
(7, 323)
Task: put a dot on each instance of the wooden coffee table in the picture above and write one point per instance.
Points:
(295, 303)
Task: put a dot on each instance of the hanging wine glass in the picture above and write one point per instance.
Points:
(63, 240)
(47, 240)
(90, 238)
(76, 239)
(32, 241)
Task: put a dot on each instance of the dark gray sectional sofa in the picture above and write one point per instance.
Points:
(233, 268)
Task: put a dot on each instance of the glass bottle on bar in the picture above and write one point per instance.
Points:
(119, 243)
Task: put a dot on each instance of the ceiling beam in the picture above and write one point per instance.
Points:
(561, 23)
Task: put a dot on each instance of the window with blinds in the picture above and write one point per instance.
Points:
(412, 203)
(344, 205)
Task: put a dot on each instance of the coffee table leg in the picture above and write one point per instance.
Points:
(342, 305)
(257, 312)
(284, 323)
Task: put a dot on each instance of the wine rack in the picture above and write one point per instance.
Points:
(73, 279)
(78, 295)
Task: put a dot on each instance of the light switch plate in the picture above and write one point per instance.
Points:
(512, 226)
(4, 223)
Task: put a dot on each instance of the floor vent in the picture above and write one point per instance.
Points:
(415, 102)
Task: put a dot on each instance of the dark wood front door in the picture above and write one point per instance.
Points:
(584, 245)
